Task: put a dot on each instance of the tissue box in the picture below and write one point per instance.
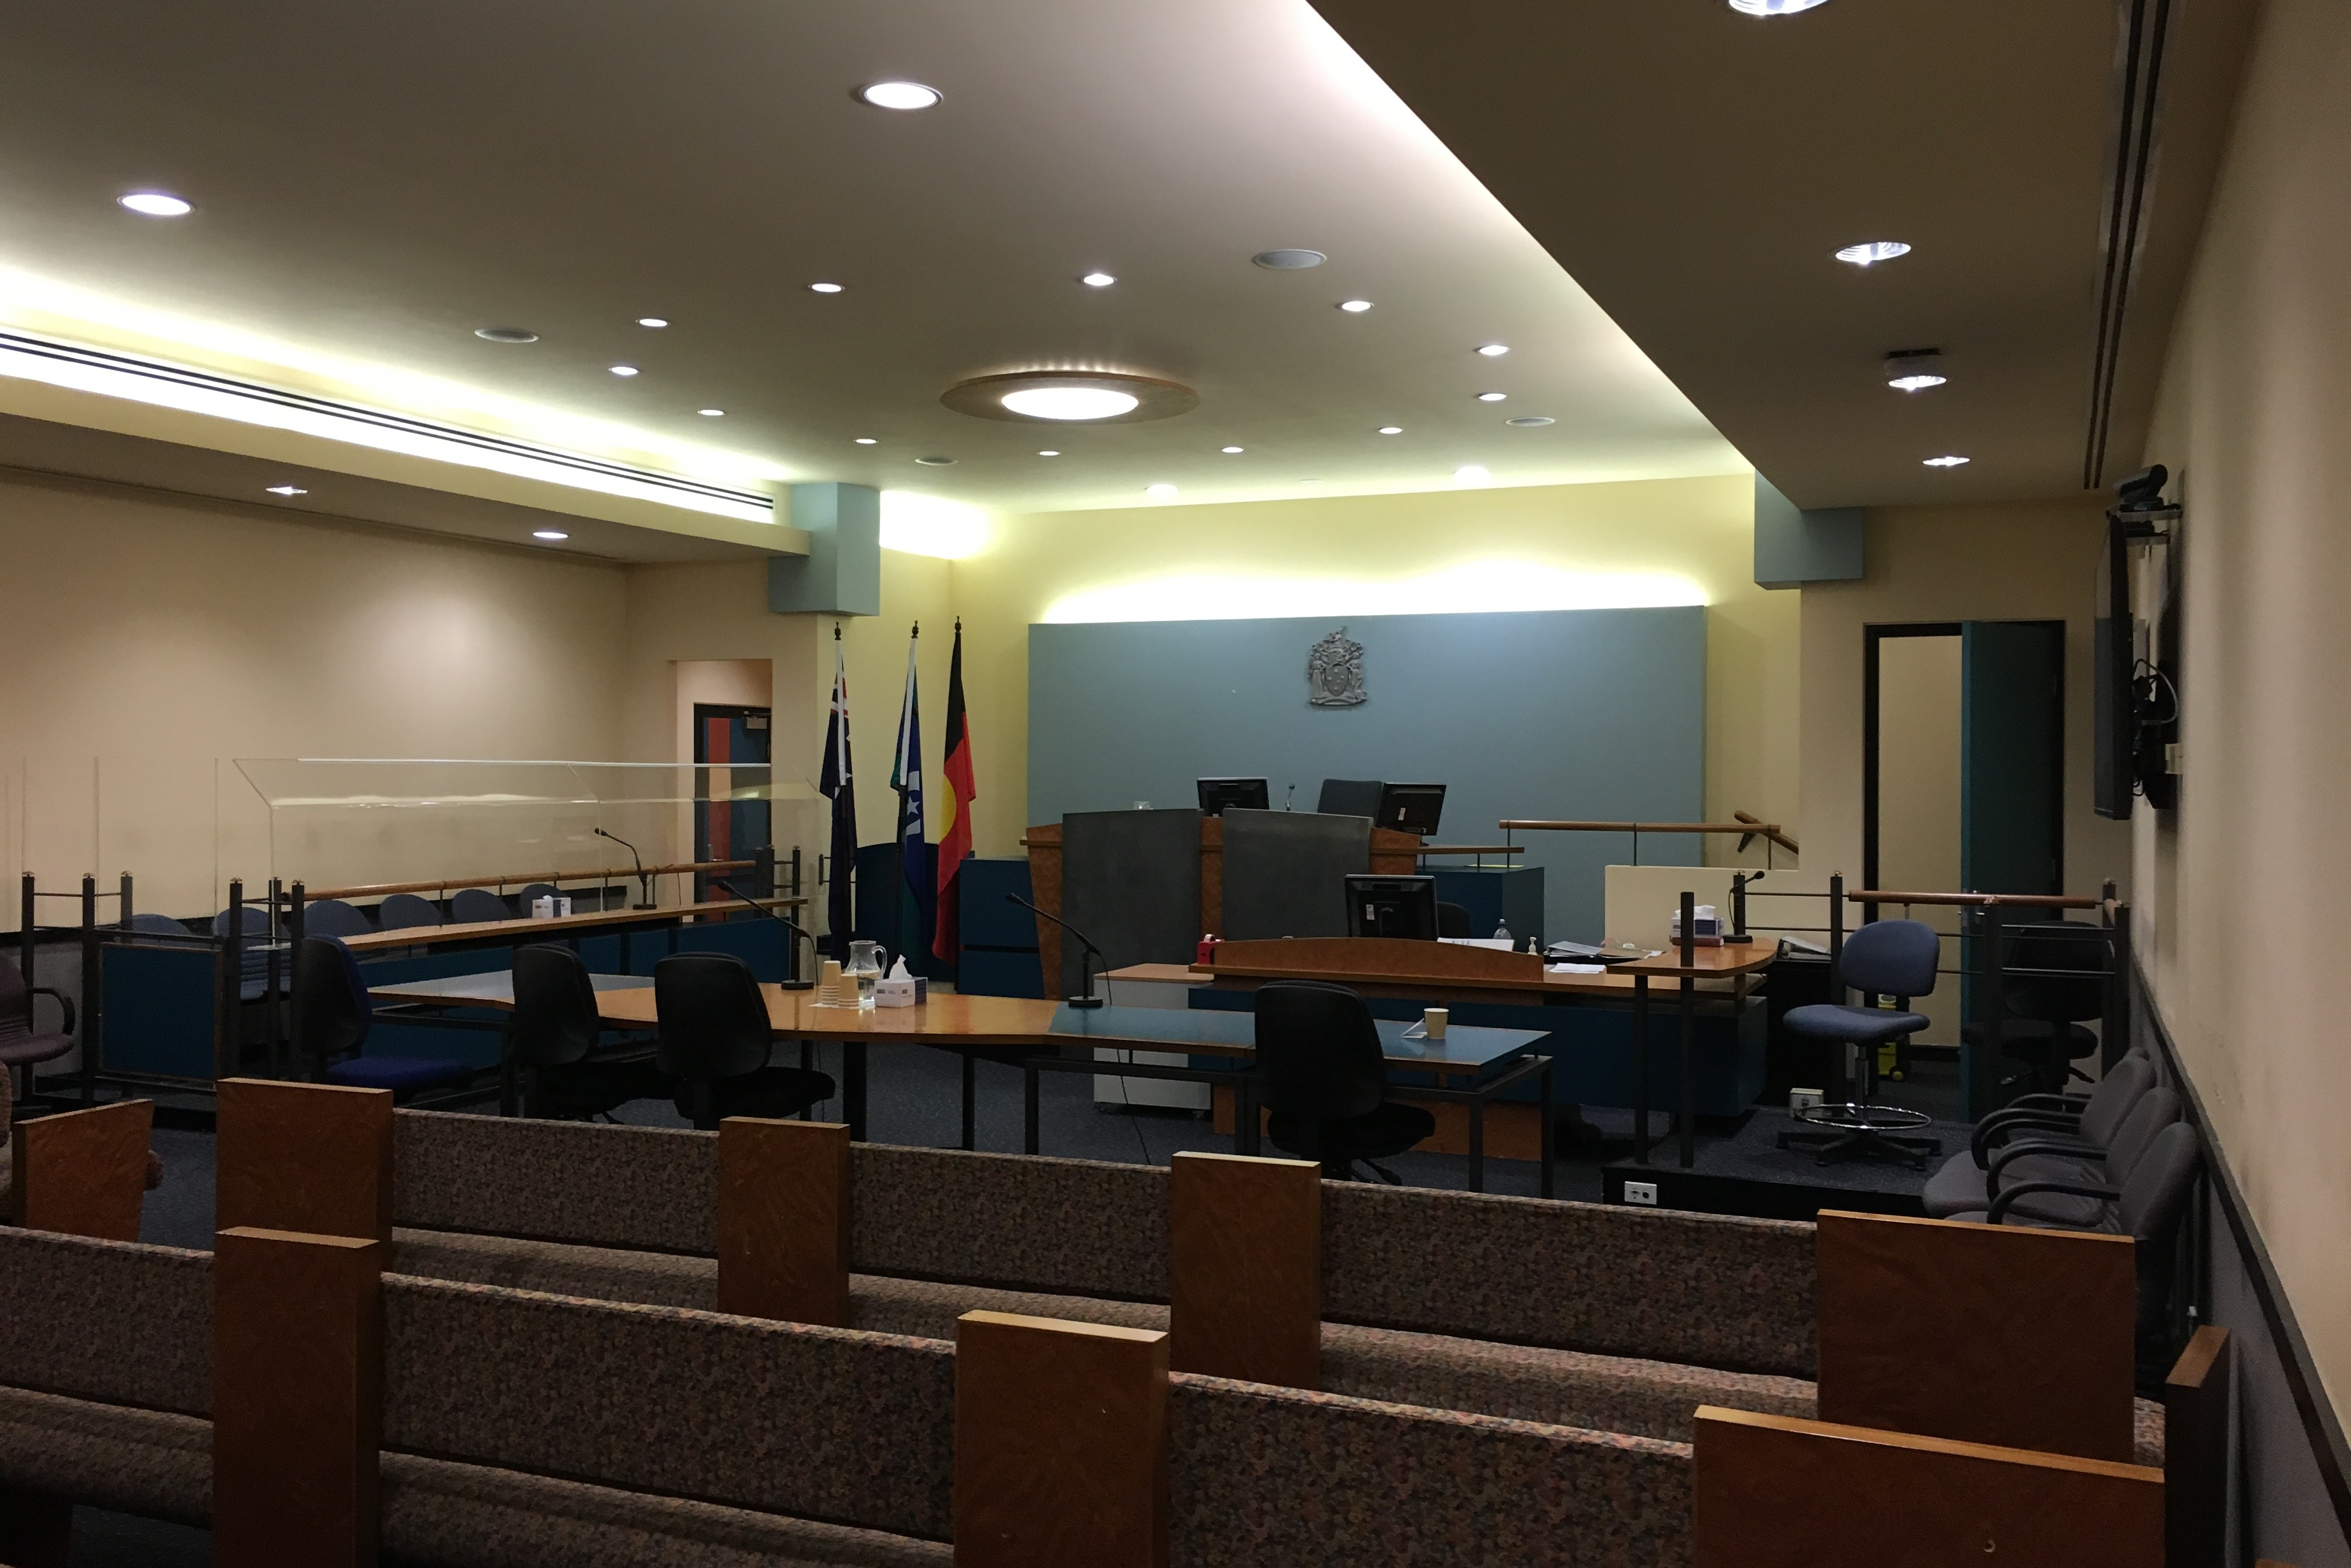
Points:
(549, 908)
(889, 993)
(1708, 924)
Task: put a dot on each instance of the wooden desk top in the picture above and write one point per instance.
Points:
(1706, 963)
(531, 928)
(1397, 964)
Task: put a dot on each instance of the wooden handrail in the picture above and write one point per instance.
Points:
(608, 873)
(1976, 900)
(1471, 850)
(1746, 826)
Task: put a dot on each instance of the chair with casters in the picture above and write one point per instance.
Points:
(1323, 1079)
(551, 1039)
(332, 1018)
(333, 917)
(717, 1047)
(2043, 1012)
(1452, 920)
(2065, 1139)
(1883, 958)
(24, 1044)
(404, 912)
(477, 905)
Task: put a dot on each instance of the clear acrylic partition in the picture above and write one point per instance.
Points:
(338, 824)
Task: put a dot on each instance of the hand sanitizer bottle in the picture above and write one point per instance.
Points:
(1502, 932)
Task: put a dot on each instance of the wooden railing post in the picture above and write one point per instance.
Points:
(1245, 1268)
(311, 1158)
(784, 1220)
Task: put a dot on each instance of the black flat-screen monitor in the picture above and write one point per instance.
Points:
(2114, 717)
(1411, 808)
(1391, 906)
(1249, 794)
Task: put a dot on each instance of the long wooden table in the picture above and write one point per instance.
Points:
(1472, 1065)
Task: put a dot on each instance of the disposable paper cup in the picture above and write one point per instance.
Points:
(1432, 1019)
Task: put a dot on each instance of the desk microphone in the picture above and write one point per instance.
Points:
(787, 921)
(1085, 996)
(645, 882)
(1286, 800)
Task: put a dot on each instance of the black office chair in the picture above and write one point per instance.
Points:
(1884, 957)
(406, 911)
(532, 894)
(2067, 1139)
(2041, 1026)
(553, 1037)
(332, 1019)
(1321, 1076)
(716, 1042)
(1452, 920)
(477, 905)
(333, 917)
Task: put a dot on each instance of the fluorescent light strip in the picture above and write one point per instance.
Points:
(196, 392)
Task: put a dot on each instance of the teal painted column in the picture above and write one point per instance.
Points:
(1794, 546)
(841, 573)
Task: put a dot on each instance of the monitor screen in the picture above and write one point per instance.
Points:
(1391, 906)
(1249, 794)
(1411, 808)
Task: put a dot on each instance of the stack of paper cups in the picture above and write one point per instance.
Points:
(827, 984)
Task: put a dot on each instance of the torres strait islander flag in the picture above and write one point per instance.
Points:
(954, 843)
(835, 785)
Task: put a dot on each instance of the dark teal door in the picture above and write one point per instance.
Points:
(2012, 785)
(735, 739)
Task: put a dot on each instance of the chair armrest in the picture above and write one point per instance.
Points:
(1996, 1126)
(64, 1002)
(2002, 1156)
(2007, 1200)
(2064, 1104)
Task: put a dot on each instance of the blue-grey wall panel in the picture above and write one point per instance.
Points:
(1565, 714)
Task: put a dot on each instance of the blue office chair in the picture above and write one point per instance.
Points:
(531, 894)
(475, 904)
(333, 917)
(332, 1019)
(150, 924)
(1884, 957)
(253, 955)
(405, 911)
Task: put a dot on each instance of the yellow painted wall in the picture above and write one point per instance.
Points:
(1518, 548)
(2256, 403)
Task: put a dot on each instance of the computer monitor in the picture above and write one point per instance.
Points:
(1391, 906)
(1411, 808)
(1249, 794)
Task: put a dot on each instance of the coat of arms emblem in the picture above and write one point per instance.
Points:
(1334, 672)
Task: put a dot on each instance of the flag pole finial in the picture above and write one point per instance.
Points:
(918, 627)
(836, 630)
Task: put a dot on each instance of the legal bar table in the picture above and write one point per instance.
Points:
(1690, 963)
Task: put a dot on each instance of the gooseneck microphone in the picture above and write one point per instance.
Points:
(1085, 996)
(785, 920)
(645, 882)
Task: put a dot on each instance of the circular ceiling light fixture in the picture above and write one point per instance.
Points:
(1871, 252)
(1529, 421)
(1354, 307)
(1493, 351)
(898, 95)
(655, 322)
(1288, 260)
(1773, 7)
(1944, 461)
(711, 412)
(287, 490)
(1159, 492)
(552, 536)
(1063, 397)
(156, 204)
(1097, 280)
(1491, 397)
(865, 441)
(1049, 452)
(1471, 473)
(935, 461)
(624, 372)
(1392, 430)
(1915, 369)
(1229, 451)
(824, 288)
(507, 334)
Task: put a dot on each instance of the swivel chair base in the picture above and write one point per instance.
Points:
(1855, 1131)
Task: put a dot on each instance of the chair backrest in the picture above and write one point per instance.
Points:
(255, 921)
(2156, 1193)
(2157, 1109)
(713, 1020)
(1891, 958)
(331, 1013)
(16, 1004)
(404, 910)
(473, 905)
(555, 1020)
(536, 891)
(333, 917)
(2055, 945)
(1452, 920)
(1318, 1053)
(150, 925)
(2113, 1100)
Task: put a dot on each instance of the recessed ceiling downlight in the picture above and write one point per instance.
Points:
(935, 461)
(898, 95)
(1097, 280)
(824, 288)
(1773, 7)
(711, 412)
(287, 490)
(1229, 451)
(655, 322)
(624, 372)
(1354, 307)
(552, 536)
(1944, 461)
(507, 334)
(1064, 397)
(1529, 421)
(1392, 430)
(1493, 351)
(1491, 397)
(867, 441)
(1869, 252)
(1288, 260)
(1915, 369)
(156, 204)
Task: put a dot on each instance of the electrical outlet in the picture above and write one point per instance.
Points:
(1642, 1192)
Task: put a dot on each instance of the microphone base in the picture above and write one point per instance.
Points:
(644, 906)
(1084, 1004)
(799, 985)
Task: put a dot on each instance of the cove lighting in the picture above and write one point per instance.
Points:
(1159, 492)
(1945, 462)
(1097, 280)
(1873, 252)
(1069, 402)
(1468, 586)
(1471, 473)
(1773, 7)
(899, 95)
(1354, 307)
(824, 288)
(926, 524)
(156, 204)
(551, 536)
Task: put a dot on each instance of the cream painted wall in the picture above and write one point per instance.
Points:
(154, 637)
(2013, 561)
(2255, 405)
(1919, 794)
(1507, 541)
